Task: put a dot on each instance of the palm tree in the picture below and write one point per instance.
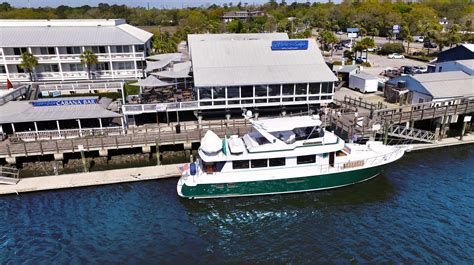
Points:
(374, 32)
(409, 40)
(89, 58)
(28, 63)
(367, 43)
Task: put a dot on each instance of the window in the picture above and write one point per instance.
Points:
(420, 100)
(124, 65)
(274, 90)
(301, 89)
(306, 159)
(247, 91)
(259, 163)
(326, 97)
(47, 50)
(122, 49)
(50, 68)
(139, 48)
(314, 88)
(204, 93)
(102, 66)
(277, 162)
(261, 91)
(288, 89)
(98, 49)
(240, 164)
(19, 51)
(219, 92)
(314, 98)
(233, 92)
(326, 88)
(76, 67)
(73, 50)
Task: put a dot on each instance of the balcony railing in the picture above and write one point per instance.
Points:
(76, 57)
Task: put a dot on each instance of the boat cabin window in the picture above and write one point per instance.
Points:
(307, 133)
(240, 164)
(211, 167)
(341, 153)
(309, 159)
(277, 162)
(258, 163)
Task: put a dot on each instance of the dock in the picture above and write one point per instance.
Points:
(96, 178)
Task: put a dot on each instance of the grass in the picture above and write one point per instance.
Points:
(131, 90)
(421, 58)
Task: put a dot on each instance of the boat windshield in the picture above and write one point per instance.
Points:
(308, 133)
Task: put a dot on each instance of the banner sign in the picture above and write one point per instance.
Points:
(64, 102)
(56, 93)
(352, 30)
(282, 45)
(396, 29)
(352, 35)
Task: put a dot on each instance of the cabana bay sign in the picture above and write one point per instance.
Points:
(63, 102)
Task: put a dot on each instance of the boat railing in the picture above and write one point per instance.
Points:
(371, 161)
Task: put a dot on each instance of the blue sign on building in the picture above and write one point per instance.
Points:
(63, 102)
(352, 30)
(282, 45)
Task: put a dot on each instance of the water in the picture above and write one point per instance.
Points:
(420, 210)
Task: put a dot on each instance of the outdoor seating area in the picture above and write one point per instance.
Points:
(163, 95)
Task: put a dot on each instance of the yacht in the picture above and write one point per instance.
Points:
(281, 155)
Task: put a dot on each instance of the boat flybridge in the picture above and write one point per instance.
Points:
(281, 155)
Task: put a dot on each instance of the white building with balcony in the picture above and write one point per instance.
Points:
(57, 44)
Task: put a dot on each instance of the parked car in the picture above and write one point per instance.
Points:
(391, 72)
(340, 32)
(407, 70)
(396, 56)
(338, 47)
(348, 44)
(429, 45)
(419, 39)
(362, 59)
(420, 69)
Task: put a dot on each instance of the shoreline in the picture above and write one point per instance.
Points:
(115, 176)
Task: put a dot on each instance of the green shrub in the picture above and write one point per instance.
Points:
(131, 90)
(337, 63)
(395, 47)
(366, 64)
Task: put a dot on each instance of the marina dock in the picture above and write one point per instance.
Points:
(96, 178)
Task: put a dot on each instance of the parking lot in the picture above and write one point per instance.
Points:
(380, 62)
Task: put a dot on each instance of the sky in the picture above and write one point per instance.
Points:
(135, 3)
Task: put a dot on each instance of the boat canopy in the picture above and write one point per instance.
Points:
(211, 143)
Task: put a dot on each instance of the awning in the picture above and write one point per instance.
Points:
(155, 65)
(151, 81)
(173, 56)
(171, 74)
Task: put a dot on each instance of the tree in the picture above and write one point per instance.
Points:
(409, 40)
(367, 43)
(374, 32)
(327, 38)
(28, 63)
(89, 58)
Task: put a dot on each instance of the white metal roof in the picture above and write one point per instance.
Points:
(252, 62)
(441, 84)
(469, 46)
(40, 33)
(23, 111)
(365, 76)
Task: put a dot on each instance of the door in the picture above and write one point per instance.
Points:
(331, 159)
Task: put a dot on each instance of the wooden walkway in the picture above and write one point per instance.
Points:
(191, 133)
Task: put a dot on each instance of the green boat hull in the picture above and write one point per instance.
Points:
(262, 187)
